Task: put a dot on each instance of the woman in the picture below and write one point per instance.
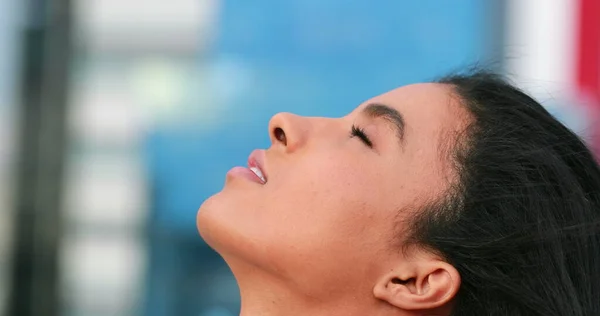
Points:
(460, 197)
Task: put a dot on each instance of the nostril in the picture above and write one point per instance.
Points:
(280, 135)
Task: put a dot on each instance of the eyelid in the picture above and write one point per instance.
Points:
(360, 133)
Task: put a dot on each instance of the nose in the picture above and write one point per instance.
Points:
(288, 130)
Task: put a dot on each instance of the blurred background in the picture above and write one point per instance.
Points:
(118, 118)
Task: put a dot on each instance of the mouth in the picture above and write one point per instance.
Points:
(256, 165)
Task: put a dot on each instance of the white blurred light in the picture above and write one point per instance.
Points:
(106, 116)
(540, 45)
(102, 273)
(107, 191)
(541, 56)
(148, 25)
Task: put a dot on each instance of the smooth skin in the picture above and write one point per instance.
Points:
(324, 235)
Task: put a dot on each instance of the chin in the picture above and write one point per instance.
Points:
(208, 222)
(227, 221)
(216, 222)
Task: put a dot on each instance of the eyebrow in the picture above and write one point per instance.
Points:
(389, 114)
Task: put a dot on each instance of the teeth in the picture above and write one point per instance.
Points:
(258, 173)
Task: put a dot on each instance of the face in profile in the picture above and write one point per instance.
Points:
(321, 211)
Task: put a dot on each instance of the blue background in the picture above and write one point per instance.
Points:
(310, 57)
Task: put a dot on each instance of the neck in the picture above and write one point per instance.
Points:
(269, 301)
(264, 295)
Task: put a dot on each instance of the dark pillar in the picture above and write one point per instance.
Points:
(34, 289)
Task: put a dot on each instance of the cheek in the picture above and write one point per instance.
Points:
(331, 216)
(327, 199)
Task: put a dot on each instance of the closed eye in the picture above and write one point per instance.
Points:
(360, 133)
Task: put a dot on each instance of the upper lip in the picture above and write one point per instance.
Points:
(257, 159)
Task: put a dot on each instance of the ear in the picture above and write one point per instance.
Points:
(424, 284)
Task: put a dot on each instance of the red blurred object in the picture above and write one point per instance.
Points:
(588, 59)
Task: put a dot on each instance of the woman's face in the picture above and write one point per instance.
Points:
(329, 213)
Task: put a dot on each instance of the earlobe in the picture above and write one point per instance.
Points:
(423, 286)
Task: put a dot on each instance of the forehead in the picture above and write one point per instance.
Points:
(429, 110)
(428, 106)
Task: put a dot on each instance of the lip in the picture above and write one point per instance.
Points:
(257, 159)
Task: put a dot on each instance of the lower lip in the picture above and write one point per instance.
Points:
(245, 173)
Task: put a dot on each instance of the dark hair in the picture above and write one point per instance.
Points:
(521, 222)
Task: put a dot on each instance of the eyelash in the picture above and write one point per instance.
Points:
(360, 133)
